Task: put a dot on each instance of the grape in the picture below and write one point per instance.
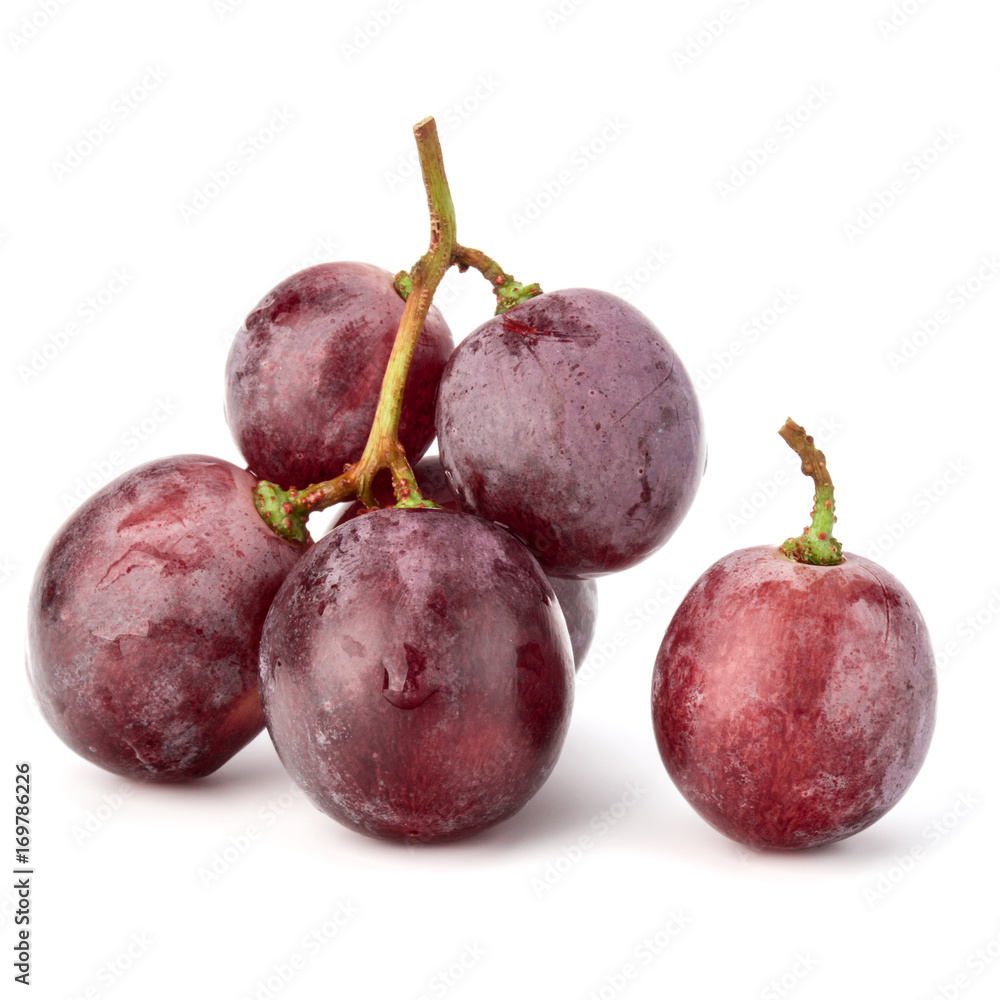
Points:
(145, 617)
(416, 674)
(793, 704)
(577, 598)
(570, 419)
(304, 372)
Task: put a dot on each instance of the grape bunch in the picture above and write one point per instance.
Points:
(414, 665)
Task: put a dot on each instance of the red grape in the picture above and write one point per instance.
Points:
(145, 617)
(793, 704)
(571, 420)
(416, 674)
(304, 373)
(578, 600)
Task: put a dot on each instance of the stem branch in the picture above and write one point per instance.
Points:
(508, 291)
(286, 511)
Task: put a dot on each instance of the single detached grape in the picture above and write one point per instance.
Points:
(304, 372)
(145, 618)
(570, 419)
(416, 674)
(577, 598)
(793, 704)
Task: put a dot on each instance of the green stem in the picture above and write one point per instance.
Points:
(508, 291)
(286, 511)
(816, 545)
(383, 448)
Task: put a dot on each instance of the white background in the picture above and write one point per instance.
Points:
(524, 94)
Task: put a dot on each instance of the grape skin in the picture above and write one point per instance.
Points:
(145, 617)
(304, 373)
(571, 420)
(794, 704)
(416, 674)
(577, 598)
